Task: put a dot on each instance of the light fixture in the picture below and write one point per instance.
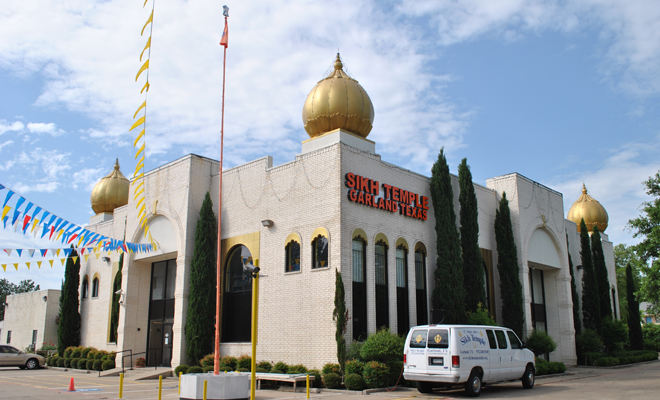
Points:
(579, 267)
(45, 298)
(106, 259)
(267, 223)
(5, 304)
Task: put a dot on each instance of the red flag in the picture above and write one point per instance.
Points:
(224, 41)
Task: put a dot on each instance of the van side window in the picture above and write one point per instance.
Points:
(513, 339)
(418, 339)
(501, 339)
(438, 339)
(491, 339)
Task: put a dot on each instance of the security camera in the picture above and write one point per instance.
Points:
(251, 269)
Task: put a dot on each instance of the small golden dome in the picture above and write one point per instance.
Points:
(591, 210)
(110, 192)
(338, 102)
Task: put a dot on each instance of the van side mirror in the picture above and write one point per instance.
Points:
(524, 345)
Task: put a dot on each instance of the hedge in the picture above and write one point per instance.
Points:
(376, 374)
(181, 368)
(108, 364)
(354, 382)
(332, 380)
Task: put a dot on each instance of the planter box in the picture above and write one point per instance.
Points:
(225, 386)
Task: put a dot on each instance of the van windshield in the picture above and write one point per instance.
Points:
(438, 339)
(418, 339)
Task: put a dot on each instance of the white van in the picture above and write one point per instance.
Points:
(448, 355)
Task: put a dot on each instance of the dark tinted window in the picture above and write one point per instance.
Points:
(491, 339)
(438, 339)
(11, 350)
(501, 339)
(418, 339)
(513, 339)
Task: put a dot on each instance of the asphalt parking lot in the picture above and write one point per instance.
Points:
(635, 382)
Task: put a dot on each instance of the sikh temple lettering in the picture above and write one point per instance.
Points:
(367, 191)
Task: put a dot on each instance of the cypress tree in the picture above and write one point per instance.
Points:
(590, 302)
(574, 294)
(601, 274)
(473, 268)
(340, 316)
(634, 328)
(114, 311)
(507, 265)
(200, 322)
(68, 330)
(448, 294)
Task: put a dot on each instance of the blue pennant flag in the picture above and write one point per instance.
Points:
(29, 206)
(2, 187)
(36, 212)
(16, 212)
(19, 251)
(68, 251)
(7, 198)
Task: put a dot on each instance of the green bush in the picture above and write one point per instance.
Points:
(85, 352)
(480, 317)
(75, 352)
(376, 374)
(207, 361)
(330, 368)
(61, 362)
(297, 369)
(382, 346)
(614, 332)
(588, 342)
(332, 380)
(67, 352)
(244, 362)
(194, 369)
(243, 370)
(265, 366)
(539, 342)
(89, 365)
(353, 351)
(112, 356)
(82, 363)
(354, 382)
(354, 367)
(280, 368)
(229, 361)
(93, 354)
(181, 368)
(317, 380)
(69, 361)
(108, 364)
(607, 362)
(97, 365)
(207, 369)
(223, 368)
(396, 371)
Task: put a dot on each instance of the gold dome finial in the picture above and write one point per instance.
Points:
(110, 192)
(338, 102)
(589, 209)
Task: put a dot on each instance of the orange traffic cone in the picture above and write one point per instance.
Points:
(71, 388)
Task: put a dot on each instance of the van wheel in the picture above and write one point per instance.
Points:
(473, 385)
(528, 378)
(424, 387)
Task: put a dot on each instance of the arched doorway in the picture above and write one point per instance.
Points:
(237, 297)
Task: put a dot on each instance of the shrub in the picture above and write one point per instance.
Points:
(375, 374)
(208, 360)
(61, 362)
(382, 346)
(92, 354)
(244, 362)
(85, 352)
(317, 382)
(194, 370)
(229, 361)
(112, 356)
(54, 360)
(330, 368)
(614, 332)
(82, 363)
(353, 351)
(265, 366)
(539, 342)
(259, 369)
(108, 364)
(89, 365)
(588, 342)
(280, 368)
(101, 354)
(297, 369)
(607, 362)
(332, 380)
(68, 361)
(223, 368)
(75, 352)
(47, 346)
(395, 372)
(242, 370)
(97, 366)
(480, 317)
(354, 382)
(207, 369)
(67, 352)
(354, 367)
(181, 368)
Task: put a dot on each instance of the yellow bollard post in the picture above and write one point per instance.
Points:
(160, 388)
(121, 385)
(308, 386)
(180, 373)
(204, 395)
(255, 316)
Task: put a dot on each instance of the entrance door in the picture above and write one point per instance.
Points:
(538, 299)
(237, 297)
(161, 313)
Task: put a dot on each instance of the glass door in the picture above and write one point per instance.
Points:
(161, 313)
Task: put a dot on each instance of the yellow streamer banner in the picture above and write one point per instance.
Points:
(137, 123)
(148, 45)
(143, 68)
(51, 263)
(146, 86)
(150, 20)
(140, 150)
(143, 105)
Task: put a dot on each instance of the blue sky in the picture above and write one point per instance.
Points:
(563, 92)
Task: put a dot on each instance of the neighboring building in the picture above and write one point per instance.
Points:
(31, 319)
(646, 317)
(336, 206)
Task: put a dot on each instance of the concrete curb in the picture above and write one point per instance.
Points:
(77, 371)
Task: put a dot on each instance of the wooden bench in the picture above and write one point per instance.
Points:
(294, 378)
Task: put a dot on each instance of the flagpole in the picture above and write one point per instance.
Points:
(216, 362)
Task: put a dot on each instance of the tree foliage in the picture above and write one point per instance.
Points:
(340, 316)
(507, 265)
(473, 264)
(200, 322)
(577, 323)
(601, 274)
(590, 301)
(624, 255)
(8, 288)
(68, 330)
(448, 294)
(634, 328)
(114, 311)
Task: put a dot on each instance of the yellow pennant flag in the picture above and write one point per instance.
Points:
(28, 265)
(146, 86)
(151, 19)
(39, 264)
(143, 68)
(4, 212)
(86, 257)
(51, 263)
(136, 177)
(138, 203)
(62, 260)
(4, 267)
(137, 139)
(145, 49)
(140, 150)
(143, 105)
(59, 234)
(35, 222)
(57, 252)
(75, 258)
(139, 122)
(16, 266)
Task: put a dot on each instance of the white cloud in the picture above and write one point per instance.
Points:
(7, 143)
(87, 178)
(47, 187)
(6, 127)
(40, 127)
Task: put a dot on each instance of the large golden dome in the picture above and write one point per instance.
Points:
(591, 210)
(338, 102)
(110, 192)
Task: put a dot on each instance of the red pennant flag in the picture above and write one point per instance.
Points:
(224, 41)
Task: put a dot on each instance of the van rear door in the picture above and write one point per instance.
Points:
(438, 357)
(416, 357)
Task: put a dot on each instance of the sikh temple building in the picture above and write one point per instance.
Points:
(336, 206)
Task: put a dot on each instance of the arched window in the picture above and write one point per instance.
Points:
(359, 288)
(320, 252)
(292, 256)
(237, 297)
(382, 295)
(420, 284)
(95, 287)
(402, 309)
(85, 287)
